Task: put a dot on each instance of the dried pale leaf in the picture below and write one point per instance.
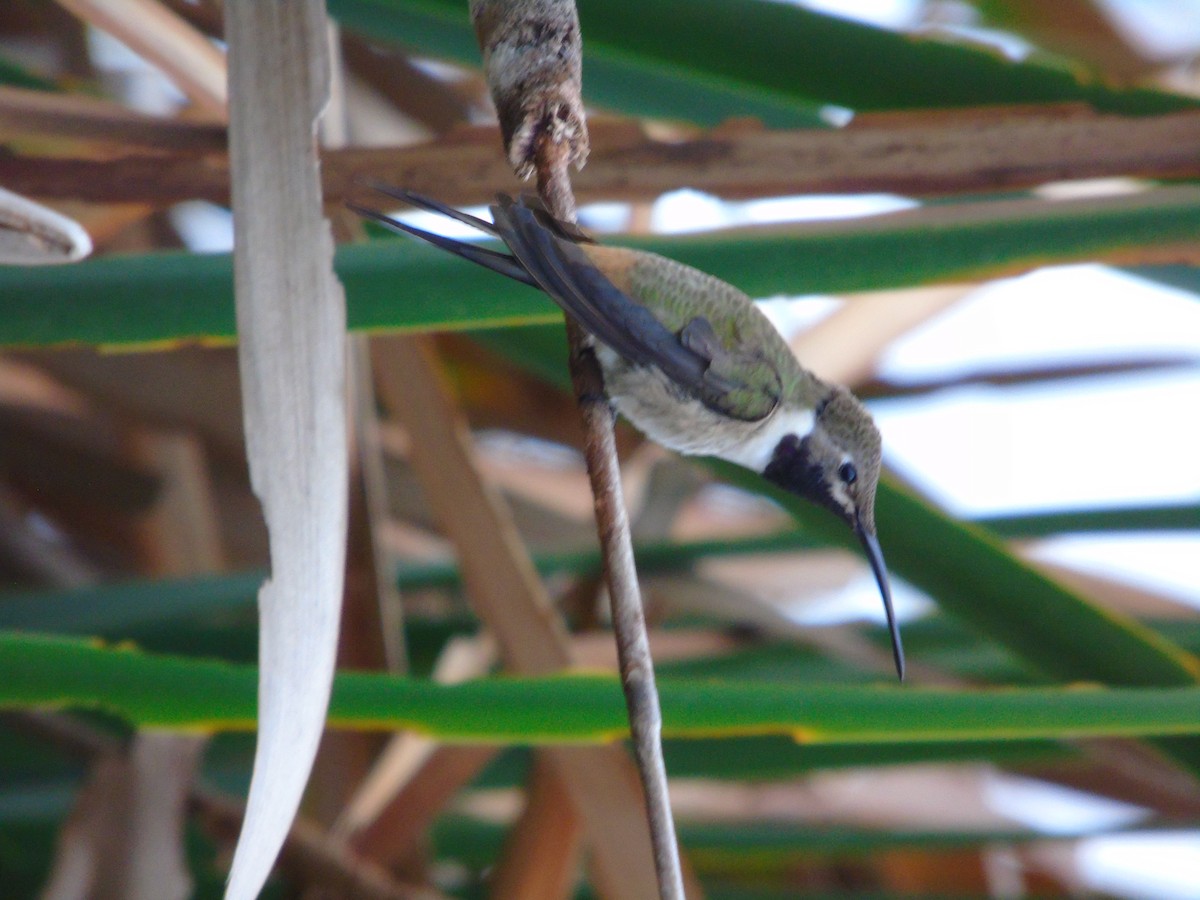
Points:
(160, 36)
(920, 797)
(291, 323)
(124, 838)
(78, 854)
(163, 766)
(313, 858)
(35, 235)
(399, 831)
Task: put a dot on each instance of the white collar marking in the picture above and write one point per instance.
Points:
(756, 452)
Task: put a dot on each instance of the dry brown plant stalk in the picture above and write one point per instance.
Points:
(532, 52)
(913, 153)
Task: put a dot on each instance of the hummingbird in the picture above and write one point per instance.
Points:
(690, 361)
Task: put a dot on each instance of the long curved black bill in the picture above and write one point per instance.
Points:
(871, 545)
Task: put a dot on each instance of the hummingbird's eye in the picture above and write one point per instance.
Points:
(848, 473)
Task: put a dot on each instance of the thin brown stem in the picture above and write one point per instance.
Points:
(551, 161)
(532, 58)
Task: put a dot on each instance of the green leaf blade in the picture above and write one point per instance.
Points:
(177, 692)
(676, 59)
(155, 299)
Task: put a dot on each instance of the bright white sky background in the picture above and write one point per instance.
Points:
(1092, 443)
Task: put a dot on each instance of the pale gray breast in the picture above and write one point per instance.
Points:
(665, 414)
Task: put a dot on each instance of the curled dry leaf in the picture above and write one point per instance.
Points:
(35, 235)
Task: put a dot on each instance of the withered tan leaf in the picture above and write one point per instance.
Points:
(35, 235)
(291, 326)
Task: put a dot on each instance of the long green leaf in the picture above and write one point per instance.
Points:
(660, 556)
(778, 51)
(176, 692)
(772, 757)
(115, 609)
(614, 78)
(1186, 278)
(215, 616)
(1161, 517)
(162, 297)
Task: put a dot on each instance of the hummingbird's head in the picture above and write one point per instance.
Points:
(836, 465)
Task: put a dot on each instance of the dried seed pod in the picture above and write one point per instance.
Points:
(533, 60)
